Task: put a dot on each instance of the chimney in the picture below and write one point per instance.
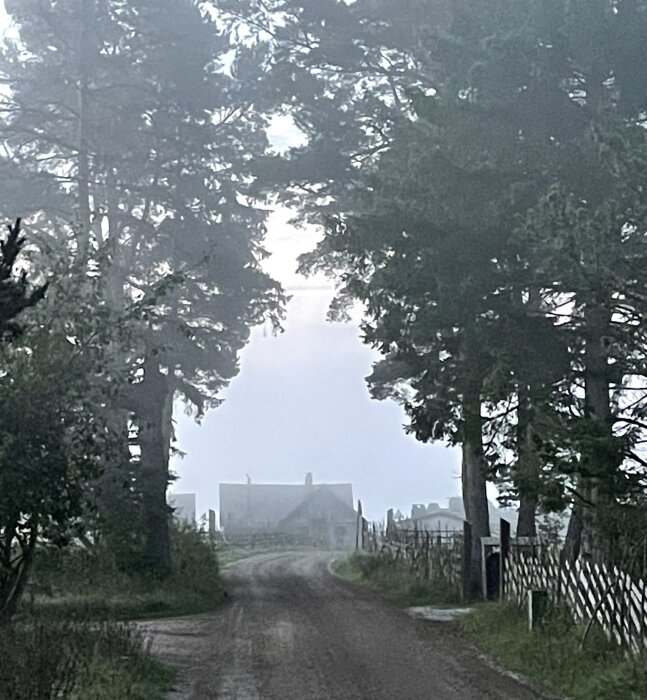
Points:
(309, 479)
(456, 506)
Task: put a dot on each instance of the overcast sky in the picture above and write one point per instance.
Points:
(300, 404)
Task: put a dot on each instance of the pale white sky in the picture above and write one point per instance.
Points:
(300, 403)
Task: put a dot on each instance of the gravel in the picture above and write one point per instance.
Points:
(293, 631)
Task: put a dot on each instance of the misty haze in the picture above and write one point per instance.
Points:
(323, 349)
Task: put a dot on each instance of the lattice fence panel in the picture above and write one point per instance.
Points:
(591, 591)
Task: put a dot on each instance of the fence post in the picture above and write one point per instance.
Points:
(359, 530)
(467, 561)
(504, 549)
(389, 523)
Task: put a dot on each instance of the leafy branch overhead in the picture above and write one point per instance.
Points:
(16, 295)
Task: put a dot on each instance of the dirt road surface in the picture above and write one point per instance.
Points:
(293, 631)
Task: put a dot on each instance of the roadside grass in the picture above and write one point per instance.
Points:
(554, 656)
(393, 581)
(69, 640)
(45, 659)
(81, 583)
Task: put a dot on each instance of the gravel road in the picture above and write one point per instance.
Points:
(293, 631)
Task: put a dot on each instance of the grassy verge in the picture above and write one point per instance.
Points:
(554, 656)
(78, 661)
(77, 583)
(229, 554)
(394, 581)
(69, 640)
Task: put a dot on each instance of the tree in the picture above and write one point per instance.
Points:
(136, 122)
(490, 126)
(15, 292)
(48, 435)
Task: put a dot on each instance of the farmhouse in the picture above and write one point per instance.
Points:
(320, 515)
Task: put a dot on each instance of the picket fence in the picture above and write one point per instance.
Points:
(592, 592)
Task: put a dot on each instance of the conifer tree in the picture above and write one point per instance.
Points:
(131, 128)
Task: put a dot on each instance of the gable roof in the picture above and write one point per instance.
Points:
(322, 503)
(264, 506)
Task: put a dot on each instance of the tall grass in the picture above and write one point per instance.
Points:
(81, 582)
(394, 580)
(556, 655)
(43, 660)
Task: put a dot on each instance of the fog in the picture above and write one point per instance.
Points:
(300, 404)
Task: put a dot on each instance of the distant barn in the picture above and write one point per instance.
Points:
(320, 515)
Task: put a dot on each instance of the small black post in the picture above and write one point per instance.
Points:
(467, 562)
(504, 550)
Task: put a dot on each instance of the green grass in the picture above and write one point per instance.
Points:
(67, 640)
(78, 661)
(89, 584)
(137, 677)
(553, 655)
(133, 604)
(393, 581)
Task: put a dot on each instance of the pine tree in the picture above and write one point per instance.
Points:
(487, 208)
(134, 128)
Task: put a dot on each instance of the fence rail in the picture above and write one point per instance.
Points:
(591, 591)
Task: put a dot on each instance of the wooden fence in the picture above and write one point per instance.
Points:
(430, 555)
(592, 592)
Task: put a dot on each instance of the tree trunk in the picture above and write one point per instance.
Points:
(16, 575)
(473, 479)
(573, 543)
(155, 405)
(527, 466)
(83, 165)
(600, 463)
